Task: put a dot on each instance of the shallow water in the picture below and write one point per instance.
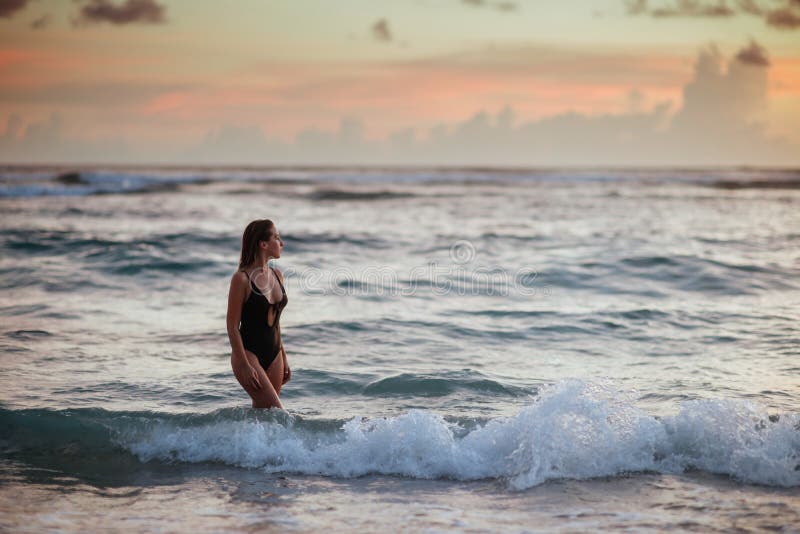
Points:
(471, 349)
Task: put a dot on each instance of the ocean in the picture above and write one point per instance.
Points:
(472, 350)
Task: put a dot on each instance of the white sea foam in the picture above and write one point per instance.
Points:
(574, 429)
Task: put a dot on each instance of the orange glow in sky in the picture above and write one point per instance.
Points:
(285, 68)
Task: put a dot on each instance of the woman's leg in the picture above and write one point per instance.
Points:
(266, 396)
(275, 372)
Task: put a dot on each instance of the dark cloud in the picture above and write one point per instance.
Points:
(42, 22)
(381, 31)
(9, 7)
(784, 18)
(751, 7)
(681, 8)
(695, 9)
(506, 6)
(500, 6)
(781, 14)
(636, 7)
(754, 54)
(131, 11)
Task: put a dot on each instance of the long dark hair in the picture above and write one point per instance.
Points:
(258, 230)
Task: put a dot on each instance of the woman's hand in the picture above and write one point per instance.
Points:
(287, 371)
(252, 377)
(245, 372)
(287, 374)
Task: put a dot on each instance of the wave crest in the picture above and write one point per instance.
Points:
(573, 429)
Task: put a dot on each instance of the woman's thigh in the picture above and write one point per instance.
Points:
(266, 396)
(275, 373)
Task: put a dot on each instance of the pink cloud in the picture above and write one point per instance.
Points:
(289, 97)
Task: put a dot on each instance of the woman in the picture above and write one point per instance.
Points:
(256, 298)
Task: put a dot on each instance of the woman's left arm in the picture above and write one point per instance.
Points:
(287, 371)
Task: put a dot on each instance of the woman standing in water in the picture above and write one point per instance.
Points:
(256, 299)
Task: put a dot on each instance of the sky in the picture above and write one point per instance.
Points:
(401, 82)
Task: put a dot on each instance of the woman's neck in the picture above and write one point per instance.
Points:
(261, 266)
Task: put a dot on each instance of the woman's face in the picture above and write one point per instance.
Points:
(274, 244)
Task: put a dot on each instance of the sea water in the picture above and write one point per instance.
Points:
(471, 350)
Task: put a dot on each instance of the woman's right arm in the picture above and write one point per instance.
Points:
(235, 301)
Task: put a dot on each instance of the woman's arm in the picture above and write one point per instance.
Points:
(235, 301)
(287, 371)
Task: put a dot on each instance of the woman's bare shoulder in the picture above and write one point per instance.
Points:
(279, 273)
(239, 278)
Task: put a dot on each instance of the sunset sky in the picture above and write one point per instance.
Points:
(607, 82)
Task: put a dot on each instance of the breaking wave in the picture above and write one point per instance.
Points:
(572, 429)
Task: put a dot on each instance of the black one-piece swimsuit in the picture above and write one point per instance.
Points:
(258, 336)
